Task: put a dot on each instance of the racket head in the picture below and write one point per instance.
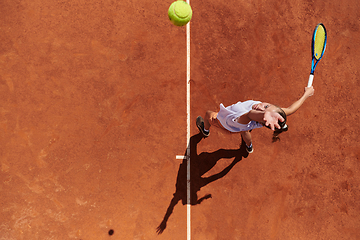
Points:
(319, 41)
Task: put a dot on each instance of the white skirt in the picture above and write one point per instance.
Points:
(228, 116)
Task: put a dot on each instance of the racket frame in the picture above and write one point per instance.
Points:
(315, 61)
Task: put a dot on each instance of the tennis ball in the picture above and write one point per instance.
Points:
(180, 13)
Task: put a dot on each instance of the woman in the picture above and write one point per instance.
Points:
(245, 116)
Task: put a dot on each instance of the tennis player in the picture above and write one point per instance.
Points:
(245, 116)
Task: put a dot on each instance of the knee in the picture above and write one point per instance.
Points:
(210, 116)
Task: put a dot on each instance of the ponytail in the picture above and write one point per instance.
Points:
(283, 125)
(277, 132)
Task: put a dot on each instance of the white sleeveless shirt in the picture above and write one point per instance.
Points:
(228, 116)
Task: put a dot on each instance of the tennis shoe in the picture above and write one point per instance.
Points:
(249, 149)
(200, 125)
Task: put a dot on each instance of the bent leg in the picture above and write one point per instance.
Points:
(246, 135)
(210, 119)
(205, 123)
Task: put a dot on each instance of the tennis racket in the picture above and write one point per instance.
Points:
(318, 46)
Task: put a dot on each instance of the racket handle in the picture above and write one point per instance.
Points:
(311, 78)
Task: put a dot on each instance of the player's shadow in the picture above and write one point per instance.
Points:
(199, 165)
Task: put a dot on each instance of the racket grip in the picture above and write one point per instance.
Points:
(311, 78)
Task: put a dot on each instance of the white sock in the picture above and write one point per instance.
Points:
(249, 146)
(206, 130)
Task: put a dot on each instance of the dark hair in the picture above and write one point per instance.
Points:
(283, 114)
(276, 133)
(283, 125)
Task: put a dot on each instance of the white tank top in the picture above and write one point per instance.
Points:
(228, 116)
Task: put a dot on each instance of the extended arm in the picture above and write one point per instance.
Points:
(309, 91)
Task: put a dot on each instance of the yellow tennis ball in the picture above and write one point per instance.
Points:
(180, 13)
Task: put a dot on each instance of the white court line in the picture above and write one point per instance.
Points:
(187, 156)
(188, 125)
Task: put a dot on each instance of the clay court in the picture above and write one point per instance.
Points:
(93, 121)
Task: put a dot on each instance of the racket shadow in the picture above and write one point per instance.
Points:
(199, 165)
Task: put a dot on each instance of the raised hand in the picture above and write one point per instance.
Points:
(309, 91)
(272, 119)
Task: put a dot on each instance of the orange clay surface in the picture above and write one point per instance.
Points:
(93, 114)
